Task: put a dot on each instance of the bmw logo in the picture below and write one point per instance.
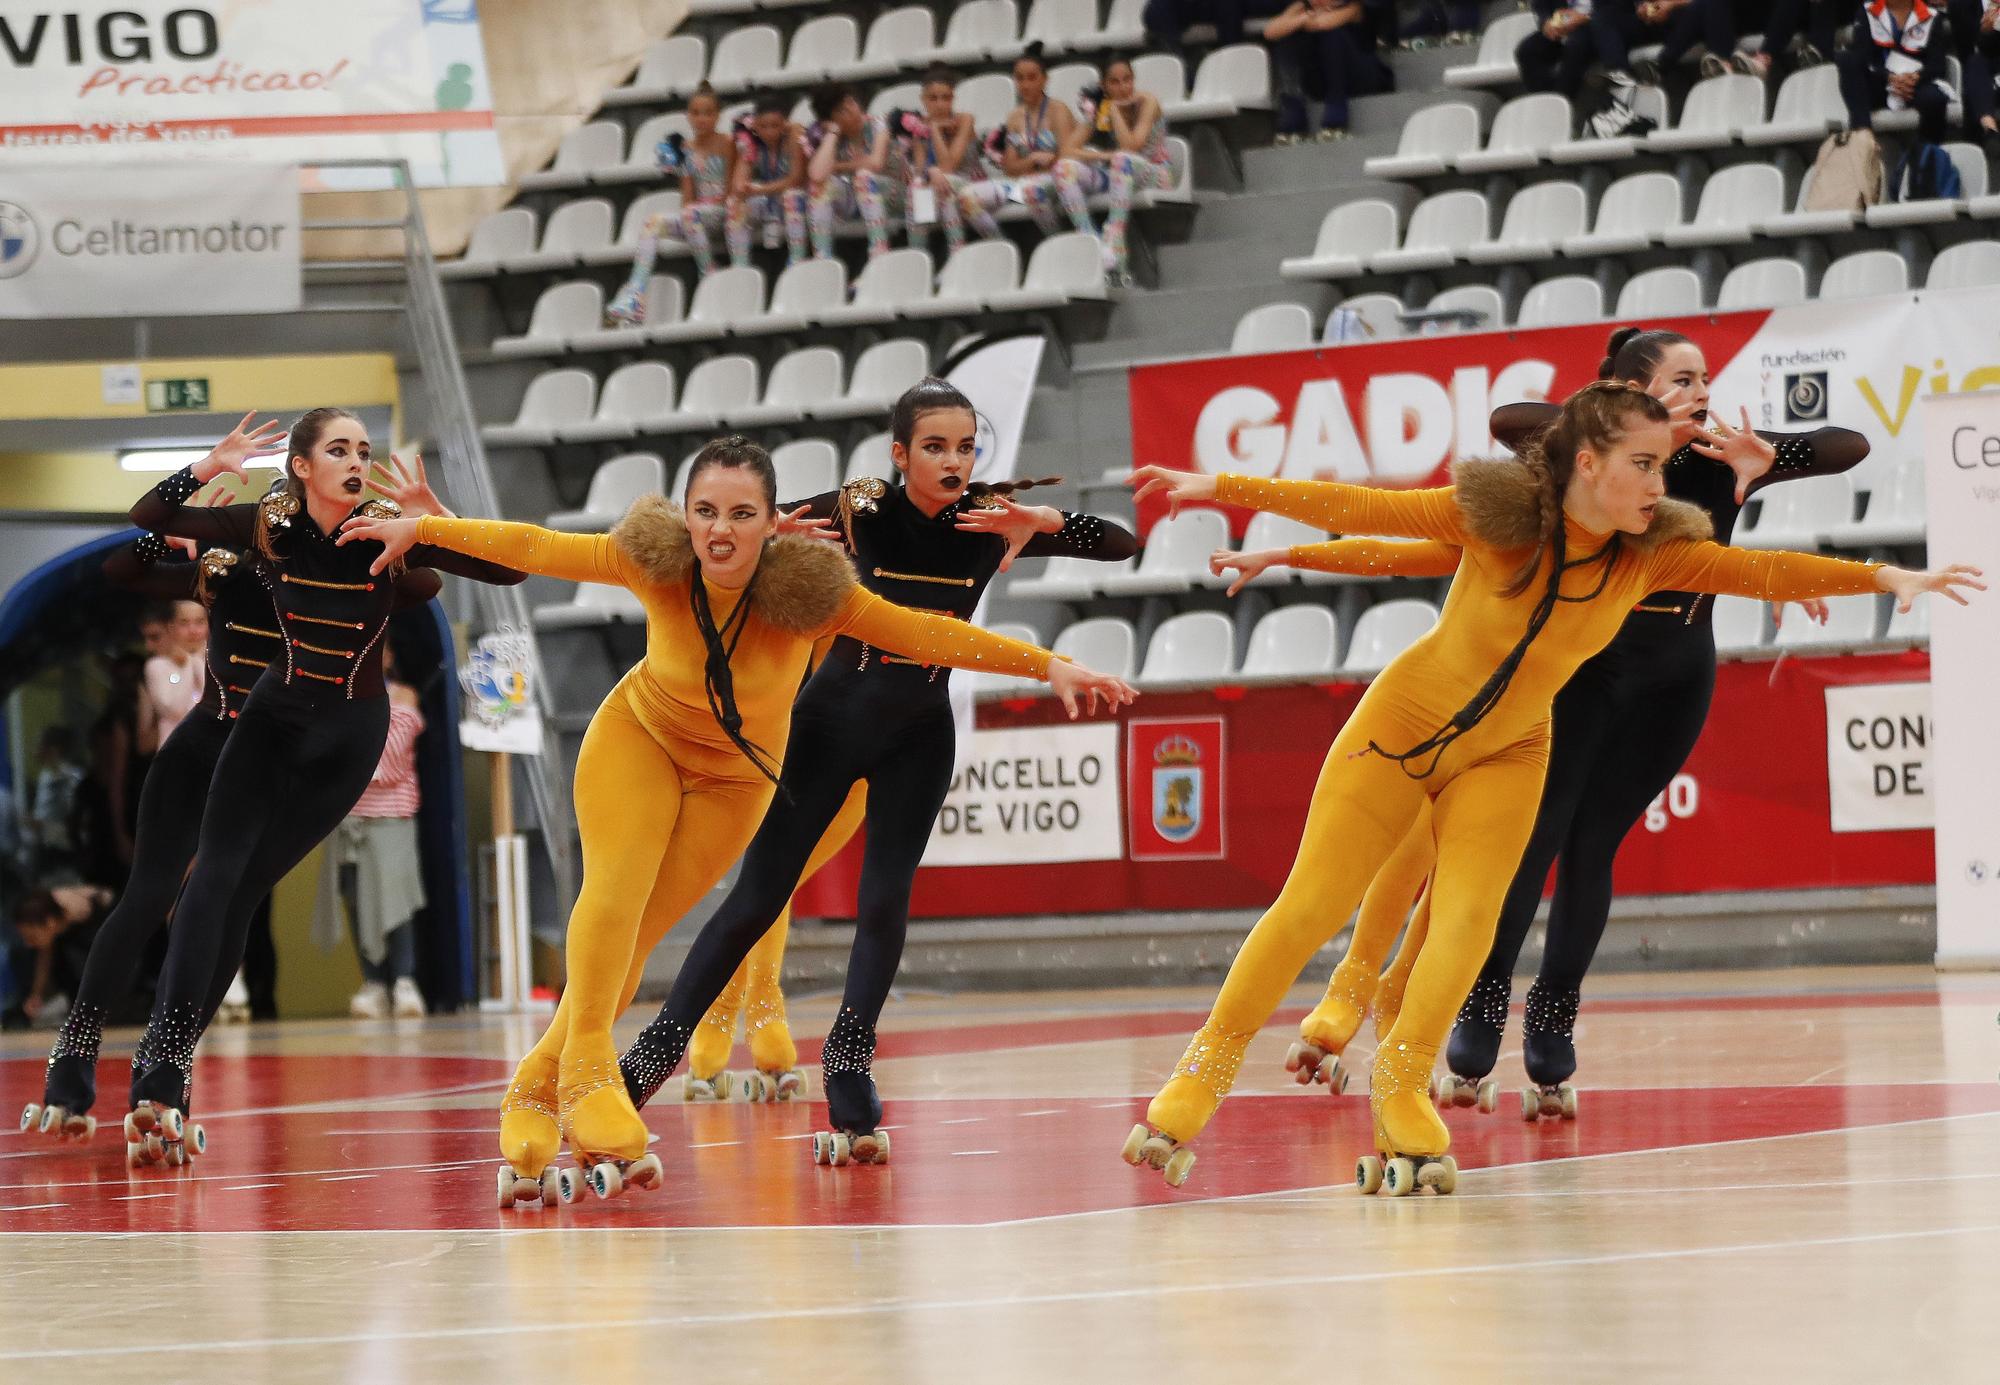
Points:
(20, 240)
(1975, 871)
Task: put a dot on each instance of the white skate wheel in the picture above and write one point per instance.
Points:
(1531, 1104)
(881, 1146)
(1399, 1177)
(197, 1140)
(1447, 1179)
(173, 1123)
(791, 1085)
(839, 1150)
(1179, 1164)
(647, 1172)
(569, 1185)
(725, 1084)
(176, 1155)
(31, 1116)
(1488, 1098)
(135, 1155)
(156, 1149)
(507, 1186)
(606, 1181)
(819, 1147)
(1368, 1173)
(1135, 1144)
(551, 1192)
(50, 1122)
(1566, 1101)
(1447, 1089)
(83, 1128)
(695, 1089)
(132, 1132)
(1336, 1079)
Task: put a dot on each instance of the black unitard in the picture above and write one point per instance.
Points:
(863, 715)
(305, 745)
(1620, 730)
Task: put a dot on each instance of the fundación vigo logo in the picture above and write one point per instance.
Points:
(20, 239)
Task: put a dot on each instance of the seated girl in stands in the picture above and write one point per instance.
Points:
(1125, 148)
(944, 156)
(856, 170)
(770, 187)
(706, 167)
(1036, 148)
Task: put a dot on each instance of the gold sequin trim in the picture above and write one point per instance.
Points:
(327, 586)
(322, 677)
(1658, 610)
(318, 620)
(322, 649)
(924, 577)
(252, 630)
(253, 663)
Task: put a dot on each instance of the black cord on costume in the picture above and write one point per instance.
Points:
(717, 679)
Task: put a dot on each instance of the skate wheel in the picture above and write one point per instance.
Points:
(1566, 1101)
(1399, 1177)
(1447, 1179)
(1296, 1064)
(31, 1116)
(549, 1185)
(840, 1150)
(81, 1129)
(1531, 1104)
(1488, 1099)
(1135, 1144)
(135, 1155)
(177, 1155)
(569, 1186)
(881, 1146)
(605, 1180)
(1368, 1173)
(173, 1124)
(132, 1132)
(1179, 1164)
(197, 1140)
(819, 1147)
(156, 1149)
(695, 1089)
(1336, 1077)
(50, 1122)
(647, 1172)
(791, 1085)
(509, 1184)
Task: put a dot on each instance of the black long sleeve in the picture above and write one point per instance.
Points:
(136, 567)
(1084, 536)
(417, 586)
(164, 510)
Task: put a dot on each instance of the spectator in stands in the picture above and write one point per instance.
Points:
(1167, 21)
(1124, 149)
(175, 675)
(1975, 37)
(1896, 61)
(770, 188)
(706, 168)
(1037, 149)
(1450, 20)
(948, 181)
(57, 778)
(856, 170)
(1798, 34)
(54, 927)
(1558, 55)
(1325, 49)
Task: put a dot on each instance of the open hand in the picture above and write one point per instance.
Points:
(1680, 407)
(801, 522)
(410, 490)
(1739, 449)
(1816, 610)
(1014, 522)
(1072, 681)
(1906, 586)
(1245, 565)
(237, 450)
(1179, 487)
(397, 537)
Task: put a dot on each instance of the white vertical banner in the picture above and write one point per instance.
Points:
(1962, 480)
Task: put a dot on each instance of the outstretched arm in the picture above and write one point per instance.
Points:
(163, 509)
(1779, 576)
(1361, 557)
(493, 550)
(136, 567)
(1332, 505)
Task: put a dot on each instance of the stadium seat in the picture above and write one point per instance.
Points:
(553, 399)
(1063, 268)
(613, 487)
(1193, 647)
(871, 457)
(1738, 622)
(1294, 642)
(1273, 327)
(574, 229)
(969, 277)
(664, 306)
(1105, 643)
(1588, 148)
(1808, 108)
(881, 373)
(636, 397)
(1716, 113)
(1441, 229)
(722, 301)
(1348, 236)
(1481, 300)
(1666, 292)
(583, 151)
(1734, 202)
(716, 388)
(1385, 630)
(1067, 579)
(807, 467)
(1770, 283)
(562, 311)
(593, 604)
(1968, 265)
(1910, 627)
(1380, 313)
(1561, 301)
(746, 58)
(1635, 212)
(1799, 514)
(1538, 219)
(980, 31)
(1896, 515)
(1067, 81)
(1176, 555)
(1969, 160)
(1431, 143)
(1864, 274)
(1124, 26)
(1522, 135)
(1801, 222)
(797, 382)
(898, 38)
(1061, 25)
(673, 67)
(890, 285)
(1494, 64)
(1850, 620)
(642, 159)
(804, 294)
(908, 96)
(820, 47)
(666, 203)
(1229, 82)
(987, 97)
(496, 238)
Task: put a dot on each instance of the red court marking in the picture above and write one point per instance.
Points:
(957, 1162)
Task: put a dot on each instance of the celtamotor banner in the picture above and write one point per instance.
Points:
(1399, 413)
(104, 80)
(1962, 488)
(149, 240)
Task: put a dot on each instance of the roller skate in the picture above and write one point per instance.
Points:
(1548, 1052)
(1326, 1032)
(1475, 1047)
(1201, 1079)
(708, 1077)
(529, 1135)
(235, 1007)
(68, 1093)
(1410, 1140)
(604, 1132)
(157, 1130)
(854, 1110)
(777, 1076)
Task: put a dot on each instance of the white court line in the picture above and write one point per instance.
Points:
(716, 1144)
(275, 1173)
(247, 1187)
(968, 1153)
(35, 1207)
(346, 1177)
(1030, 1115)
(141, 1197)
(962, 1305)
(964, 1120)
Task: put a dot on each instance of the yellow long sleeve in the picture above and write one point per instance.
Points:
(1768, 576)
(1333, 505)
(1377, 557)
(935, 639)
(531, 548)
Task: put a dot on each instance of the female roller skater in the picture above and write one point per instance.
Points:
(305, 740)
(867, 716)
(694, 733)
(1558, 547)
(242, 642)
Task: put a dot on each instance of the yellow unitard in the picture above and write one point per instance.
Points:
(664, 800)
(1483, 788)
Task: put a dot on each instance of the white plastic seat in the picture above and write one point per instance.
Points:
(881, 374)
(889, 285)
(1229, 81)
(896, 38)
(1441, 229)
(1067, 81)
(592, 605)
(1635, 212)
(1164, 75)
(1769, 283)
(642, 157)
(1666, 292)
(804, 294)
(1589, 148)
(1431, 143)
(1105, 643)
(1801, 222)
(871, 457)
(1482, 301)
(1896, 514)
(1294, 642)
(1970, 161)
(1385, 630)
(497, 237)
(1971, 264)
(904, 96)
(800, 380)
(806, 468)
(562, 311)
(1193, 647)
(1176, 555)
(1538, 219)
(1808, 107)
(1850, 620)
(822, 46)
(1799, 514)
(987, 97)
(638, 396)
(983, 269)
(1864, 274)
(574, 229)
(665, 305)
(1733, 203)
(666, 202)
(613, 487)
(1494, 63)
(1716, 113)
(1522, 134)
(1060, 25)
(554, 399)
(1062, 269)
(980, 31)
(1910, 627)
(1561, 301)
(1067, 579)
(746, 58)
(583, 151)
(722, 301)
(1739, 623)
(673, 66)
(1349, 236)
(717, 387)
(1273, 327)
(1381, 315)
(1124, 25)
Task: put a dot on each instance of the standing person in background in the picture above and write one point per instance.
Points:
(373, 867)
(175, 676)
(107, 809)
(57, 779)
(1325, 49)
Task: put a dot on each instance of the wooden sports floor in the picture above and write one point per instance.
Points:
(1788, 1176)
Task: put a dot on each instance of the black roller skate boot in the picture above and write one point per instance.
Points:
(853, 1108)
(1548, 1052)
(1475, 1046)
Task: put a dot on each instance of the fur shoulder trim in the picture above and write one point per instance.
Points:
(801, 582)
(1502, 509)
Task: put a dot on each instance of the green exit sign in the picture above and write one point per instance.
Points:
(172, 396)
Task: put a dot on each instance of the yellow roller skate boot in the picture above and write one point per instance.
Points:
(529, 1137)
(708, 1077)
(1409, 1138)
(1326, 1032)
(602, 1126)
(1201, 1079)
(777, 1077)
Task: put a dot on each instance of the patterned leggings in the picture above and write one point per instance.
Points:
(696, 225)
(788, 207)
(845, 195)
(1073, 183)
(966, 201)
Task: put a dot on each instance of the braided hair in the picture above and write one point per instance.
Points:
(1595, 417)
(719, 641)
